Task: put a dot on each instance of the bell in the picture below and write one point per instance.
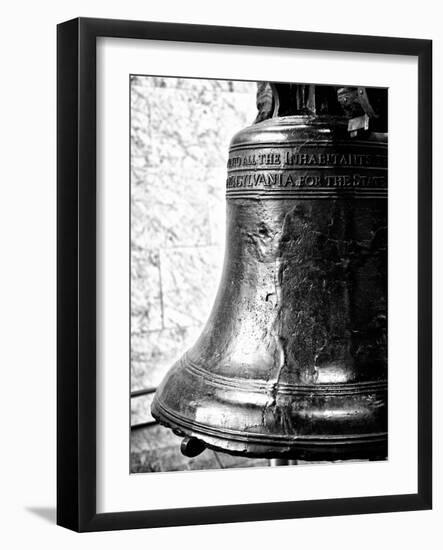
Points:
(292, 362)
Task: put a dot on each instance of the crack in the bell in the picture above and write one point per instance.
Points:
(279, 340)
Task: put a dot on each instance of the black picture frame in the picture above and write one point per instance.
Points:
(76, 266)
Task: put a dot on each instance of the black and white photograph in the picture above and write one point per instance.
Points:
(220, 277)
(244, 265)
(258, 273)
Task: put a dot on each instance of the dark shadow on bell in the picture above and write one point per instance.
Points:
(46, 513)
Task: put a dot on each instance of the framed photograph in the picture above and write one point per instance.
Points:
(244, 274)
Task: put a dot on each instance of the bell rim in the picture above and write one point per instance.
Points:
(258, 445)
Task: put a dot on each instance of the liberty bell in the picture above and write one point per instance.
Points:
(292, 362)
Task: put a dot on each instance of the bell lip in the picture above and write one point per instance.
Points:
(372, 446)
(274, 442)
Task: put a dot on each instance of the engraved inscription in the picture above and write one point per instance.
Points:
(305, 169)
(294, 158)
(291, 179)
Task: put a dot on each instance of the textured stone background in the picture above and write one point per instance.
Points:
(180, 134)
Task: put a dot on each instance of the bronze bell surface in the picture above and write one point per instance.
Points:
(292, 362)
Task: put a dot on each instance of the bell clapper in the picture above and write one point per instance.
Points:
(191, 446)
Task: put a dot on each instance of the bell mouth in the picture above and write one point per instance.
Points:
(253, 444)
(315, 448)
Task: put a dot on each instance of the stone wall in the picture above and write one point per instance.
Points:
(180, 133)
